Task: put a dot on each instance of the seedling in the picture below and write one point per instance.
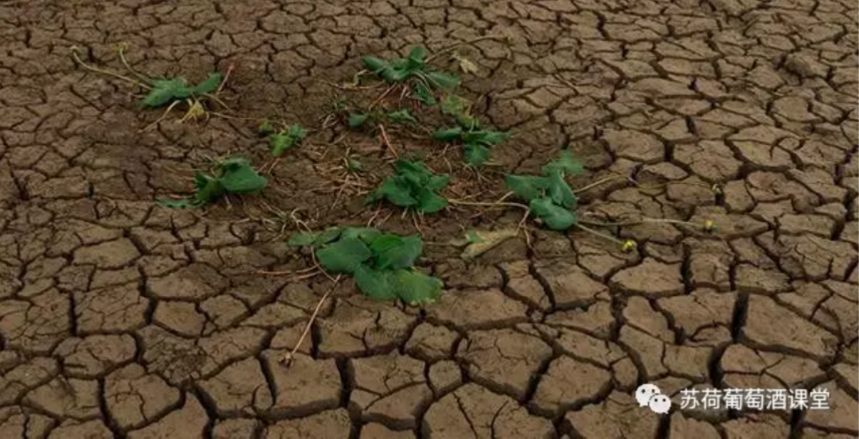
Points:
(286, 139)
(358, 120)
(549, 196)
(475, 142)
(232, 176)
(413, 185)
(381, 263)
(164, 91)
(460, 109)
(414, 67)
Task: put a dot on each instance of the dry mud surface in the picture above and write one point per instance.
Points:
(122, 319)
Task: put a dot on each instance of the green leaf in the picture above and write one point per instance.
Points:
(472, 237)
(301, 239)
(475, 154)
(454, 105)
(448, 134)
(353, 165)
(209, 85)
(297, 132)
(437, 182)
(208, 188)
(394, 190)
(393, 75)
(343, 256)
(559, 191)
(393, 252)
(374, 65)
(417, 56)
(330, 234)
(279, 143)
(555, 217)
(566, 164)
(365, 234)
(415, 288)
(374, 283)
(423, 94)
(357, 119)
(428, 202)
(487, 138)
(526, 187)
(242, 179)
(165, 91)
(442, 80)
(402, 116)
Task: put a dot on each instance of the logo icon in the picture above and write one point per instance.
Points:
(648, 395)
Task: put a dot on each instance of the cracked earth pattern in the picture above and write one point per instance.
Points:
(121, 319)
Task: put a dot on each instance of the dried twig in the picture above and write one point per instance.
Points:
(287, 358)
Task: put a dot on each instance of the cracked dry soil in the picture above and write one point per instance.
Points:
(121, 319)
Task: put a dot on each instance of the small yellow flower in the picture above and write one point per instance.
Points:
(709, 226)
(628, 246)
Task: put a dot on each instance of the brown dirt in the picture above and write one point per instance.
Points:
(121, 319)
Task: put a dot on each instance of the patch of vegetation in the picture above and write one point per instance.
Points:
(548, 195)
(402, 116)
(231, 176)
(475, 142)
(382, 264)
(167, 91)
(413, 185)
(414, 67)
(283, 140)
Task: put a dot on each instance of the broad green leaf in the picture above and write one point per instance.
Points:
(328, 235)
(442, 80)
(415, 288)
(393, 252)
(374, 283)
(165, 91)
(402, 116)
(467, 121)
(394, 191)
(423, 94)
(559, 191)
(343, 256)
(374, 65)
(566, 164)
(357, 119)
(475, 154)
(242, 180)
(394, 75)
(301, 239)
(365, 234)
(554, 216)
(208, 188)
(429, 202)
(437, 182)
(448, 134)
(297, 132)
(209, 85)
(526, 187)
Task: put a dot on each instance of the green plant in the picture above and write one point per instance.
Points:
(286, 139)
(548, 195)
(401, 116)
(460, 109)
(167, 91)
(475, 142)
(231, 176)
(399, 70)
(381, 263)
(413, 185)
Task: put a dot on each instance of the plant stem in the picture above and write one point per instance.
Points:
(144, 79)
(596, 183)
(288, 357)
(461, 44)
(500, 202)
(106, 72)
(600, 234)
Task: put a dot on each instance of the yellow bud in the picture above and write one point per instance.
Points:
(709, 225)
(628, 246)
